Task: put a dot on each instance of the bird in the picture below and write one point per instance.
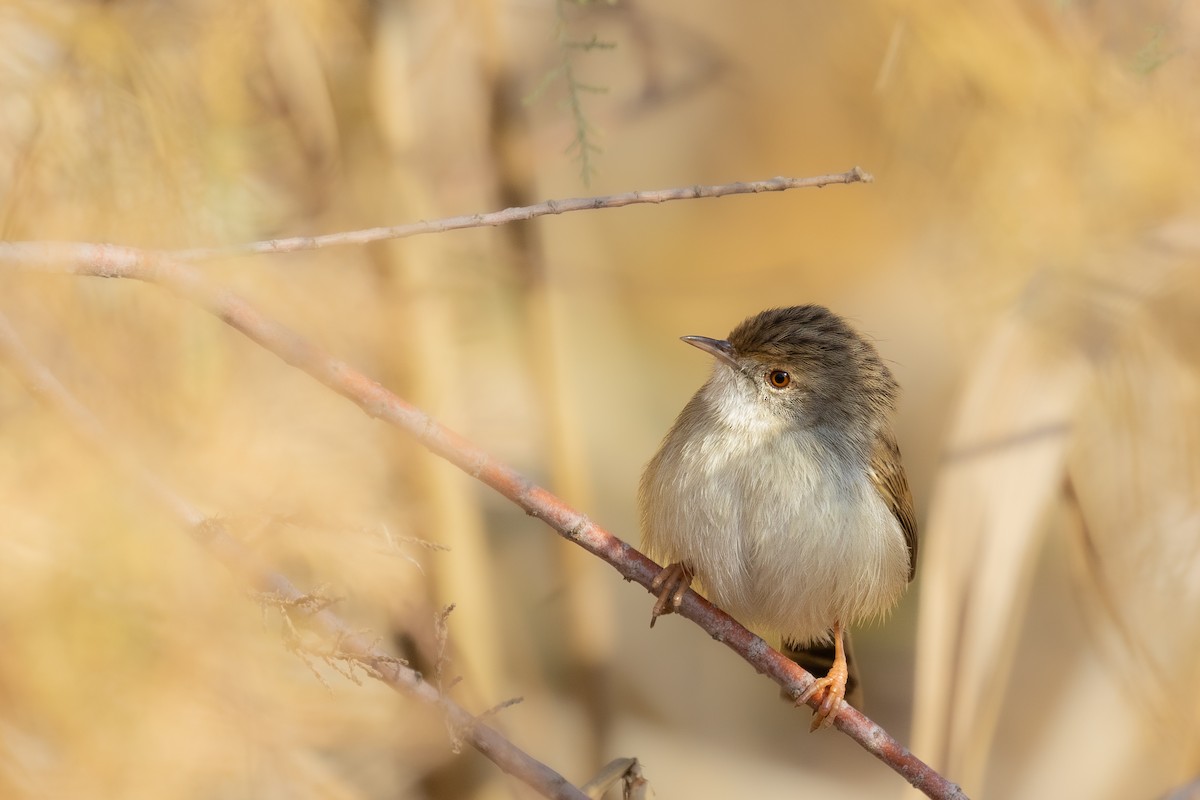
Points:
(779, 491)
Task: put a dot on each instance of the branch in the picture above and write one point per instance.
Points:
(292, 244)
(377, 401)
(213, 536)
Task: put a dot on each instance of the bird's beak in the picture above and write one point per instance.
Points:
(720, 348)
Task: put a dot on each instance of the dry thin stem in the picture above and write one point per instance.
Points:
(114, 261)
(348, 645)
(292, 244)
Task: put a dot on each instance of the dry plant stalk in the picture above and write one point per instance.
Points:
(492, 219)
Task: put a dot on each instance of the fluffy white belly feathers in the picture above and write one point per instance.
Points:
(786, 551)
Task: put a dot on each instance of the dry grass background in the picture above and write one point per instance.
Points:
(1027, 260)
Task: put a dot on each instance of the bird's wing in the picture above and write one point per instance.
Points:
(887, 474)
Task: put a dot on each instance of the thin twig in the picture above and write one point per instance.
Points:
(229, 550)
(377, 401)
(293, 244)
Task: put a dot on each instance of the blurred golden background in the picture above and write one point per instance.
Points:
(1026, 260)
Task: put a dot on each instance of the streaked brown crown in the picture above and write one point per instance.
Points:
(845, 382)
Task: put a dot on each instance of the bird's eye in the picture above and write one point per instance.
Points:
(779, 378)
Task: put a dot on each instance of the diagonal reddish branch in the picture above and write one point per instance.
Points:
(213, 536)
(492, 219)
(114, 261)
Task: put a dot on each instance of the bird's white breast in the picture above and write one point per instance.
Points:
(783, 534)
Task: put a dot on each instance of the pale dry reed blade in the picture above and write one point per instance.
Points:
(1084, 398)
(413, 281)
(1135, 491)
(1003, 470)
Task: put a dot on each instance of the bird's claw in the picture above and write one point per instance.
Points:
(670, 584)
(832, 703)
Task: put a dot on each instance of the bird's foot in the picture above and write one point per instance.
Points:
(832, 691)
(670, 584)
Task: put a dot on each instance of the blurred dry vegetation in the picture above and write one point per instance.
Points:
(1027, 259)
